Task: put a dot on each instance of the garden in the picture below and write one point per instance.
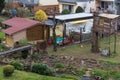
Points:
(70, 61)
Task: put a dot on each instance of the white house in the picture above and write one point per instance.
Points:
(72, 5)
(108, 6)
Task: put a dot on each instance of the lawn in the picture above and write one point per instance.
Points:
(85, 51)
(2, 35)
(21, 75)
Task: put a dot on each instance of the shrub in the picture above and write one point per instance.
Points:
(35, 56)
(79, 10)
(102, 73)
(81, 72)
(59, 65)
(23, 12)
(41, 15)
(3, 48)
(65, 11)
(24, 42)
(5, 12)
(115, 75)
(25, 54)
(109, 64)
(43, 69)
(70, 77)
(8, 70)
(17, 65)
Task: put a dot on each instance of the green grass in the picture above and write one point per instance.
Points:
(2, 35)
(21, 75)
(85, 51)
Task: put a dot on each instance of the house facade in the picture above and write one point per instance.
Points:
(109, 6)
(72, 5)
(117, 2)
(47, 2)
(40, 2)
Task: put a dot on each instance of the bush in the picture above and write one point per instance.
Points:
(115, 75)
(17, 65)
(41, 15)
(5, 12)
(23, 12)
(65, 11)
(43, 69)
(79, 10)
(81, 72)
(8, 70)
(102, 73)
(69, 77)
(109, 64)
(59, 65)
(25, 54)
(24, 42)
(35, 56)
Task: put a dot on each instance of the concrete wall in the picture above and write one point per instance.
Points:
(87, 6)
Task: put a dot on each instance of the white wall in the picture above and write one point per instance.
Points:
(87, 5)
(48, 2)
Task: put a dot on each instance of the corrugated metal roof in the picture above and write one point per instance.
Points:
(73, 17)
(17, 24)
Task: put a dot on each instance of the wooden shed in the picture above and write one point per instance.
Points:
(22, 28)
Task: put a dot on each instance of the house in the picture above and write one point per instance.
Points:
(22, 28)
(117, 2)
(47, 6)
(40, 2)
(35, 5)
(11, 0)
(47, 2)
(72, 5)
(108, 6)
(13, 3)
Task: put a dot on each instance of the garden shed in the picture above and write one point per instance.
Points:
(105, 24)
(24, 29)
(69, 18)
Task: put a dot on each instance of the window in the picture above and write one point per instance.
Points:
(69, 7)
(105, 5)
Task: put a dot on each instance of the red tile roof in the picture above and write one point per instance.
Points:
(18, 24)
